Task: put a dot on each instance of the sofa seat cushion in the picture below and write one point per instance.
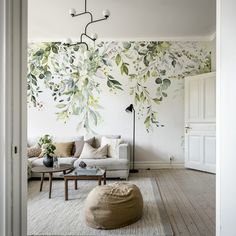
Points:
(62, 160)
(110, 163)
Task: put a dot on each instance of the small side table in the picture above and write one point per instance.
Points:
(49, 170)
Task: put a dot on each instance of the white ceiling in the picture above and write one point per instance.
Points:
(130, 19)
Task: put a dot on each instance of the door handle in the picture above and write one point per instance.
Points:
(187, 128)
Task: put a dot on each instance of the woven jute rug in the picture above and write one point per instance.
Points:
(56, 216)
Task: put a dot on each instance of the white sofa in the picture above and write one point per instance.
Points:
(116, 167)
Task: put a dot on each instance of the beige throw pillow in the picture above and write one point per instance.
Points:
(63, 149)
(80, 144)
(34, 151)
(113, 144)
(93, 153)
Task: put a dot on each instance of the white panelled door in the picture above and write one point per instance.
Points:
(200, 126)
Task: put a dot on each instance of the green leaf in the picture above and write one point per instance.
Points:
(48, 48)
(115, 82)
(41, 76)
(125, 69)
(173, 63)
(166, 84)
(55, 49)
(145, 61)
(158, 81)
(164, 94)
(126, 45)
(118, 59)
(94, 116)
(156, 100)
(142, 96)
(163, 72)
(147, 122)
(60, 106)
(109, 84)
(137, 97)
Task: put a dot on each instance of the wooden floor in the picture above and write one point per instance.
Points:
(189, 198)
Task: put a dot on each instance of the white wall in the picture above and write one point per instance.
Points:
(226, 76)
(155, 147)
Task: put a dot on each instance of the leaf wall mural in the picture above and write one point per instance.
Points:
(74, 76)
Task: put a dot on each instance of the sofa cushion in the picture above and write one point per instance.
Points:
(34, 151)
(113, 144)
(80, 144)
(98, 139)
(62, 160)
(63, 149)
(90, 152)
(111, 163)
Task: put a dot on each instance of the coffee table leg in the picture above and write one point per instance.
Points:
(76, 186)
(41, 183)
(50, 185)
(105, 179)
(100, 181)
(66, 189)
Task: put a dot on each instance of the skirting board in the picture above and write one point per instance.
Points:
(158, 165)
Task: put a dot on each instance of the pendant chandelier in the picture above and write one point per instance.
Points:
(93, 37)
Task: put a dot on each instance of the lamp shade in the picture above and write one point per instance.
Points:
(130, 108)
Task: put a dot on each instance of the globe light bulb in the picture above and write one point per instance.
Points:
(68, 41)
(94, 36)
(72, 12)
(106, 13)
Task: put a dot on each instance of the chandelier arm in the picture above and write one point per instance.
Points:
(83, 13)
(91, 22)
(83, 34)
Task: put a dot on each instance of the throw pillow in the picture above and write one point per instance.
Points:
(63, 149)
(33, 151)
(80, 144)
(90, 152)
(113, 144)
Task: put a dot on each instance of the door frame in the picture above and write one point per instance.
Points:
(6, 223)
(13, 120)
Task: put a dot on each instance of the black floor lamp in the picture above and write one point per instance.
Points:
(131, 109)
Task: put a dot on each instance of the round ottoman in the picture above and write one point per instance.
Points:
(113, 206)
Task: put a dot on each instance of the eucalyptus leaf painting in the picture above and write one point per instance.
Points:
(73, 76)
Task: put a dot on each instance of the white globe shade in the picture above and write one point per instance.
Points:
(94, 36)
(72, 11)
(68, 41)
(106, 13)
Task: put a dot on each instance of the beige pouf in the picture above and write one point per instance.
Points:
(113, 206)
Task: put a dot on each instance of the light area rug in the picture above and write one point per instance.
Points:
(56, 216)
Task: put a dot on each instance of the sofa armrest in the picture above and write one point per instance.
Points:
(124, 151)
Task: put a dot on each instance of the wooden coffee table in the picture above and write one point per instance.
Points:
(50, 170)
(75, 175)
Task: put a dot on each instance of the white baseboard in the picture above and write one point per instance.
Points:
(157, 165)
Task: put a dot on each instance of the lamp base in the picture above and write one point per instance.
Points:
(133, 171)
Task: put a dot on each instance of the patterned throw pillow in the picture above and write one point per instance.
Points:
(90, 152)
(113, 144)
(80, 144)
(33, 151)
